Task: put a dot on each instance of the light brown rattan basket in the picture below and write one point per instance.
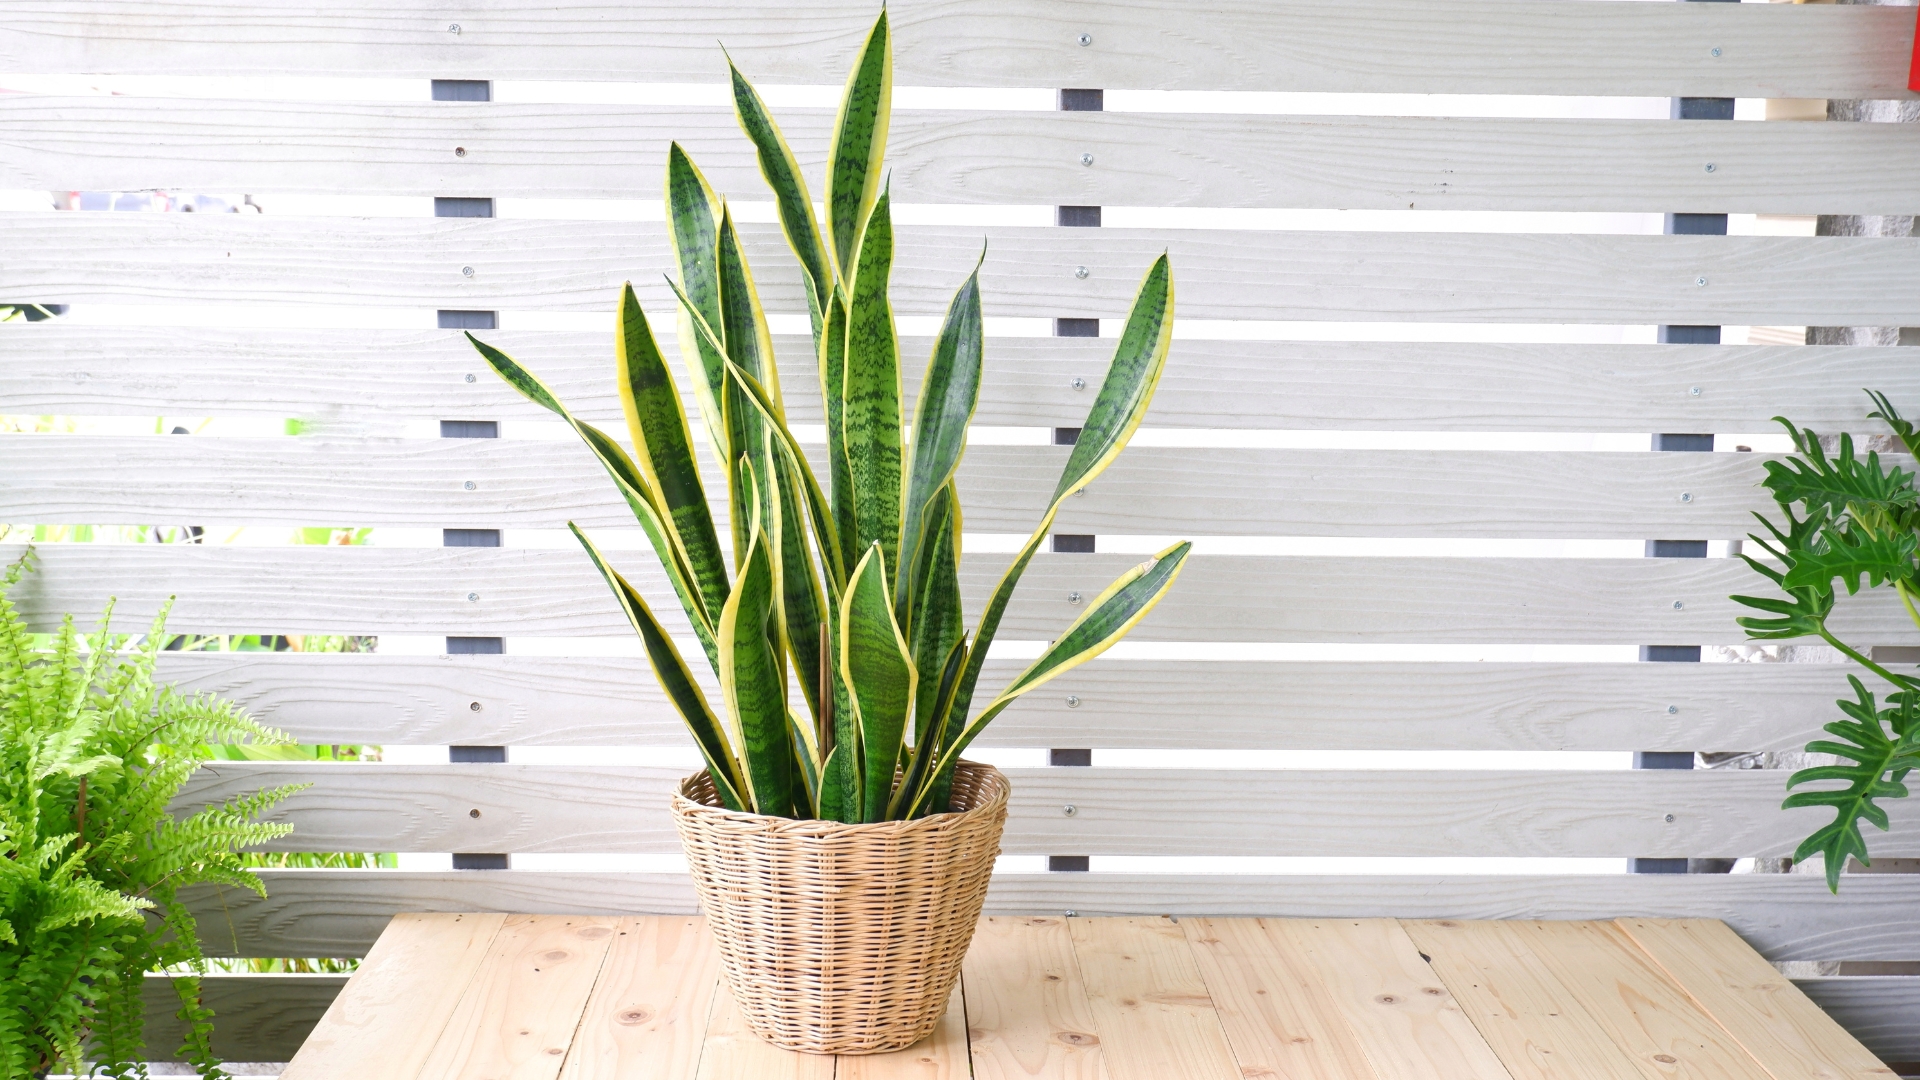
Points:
(843, 939)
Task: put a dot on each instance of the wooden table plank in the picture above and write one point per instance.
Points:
(647, 1015)
(1529, 1018)
(1785, 1031)
(385, 1021)
(1027, 1011)
(1646, 1013)
(1407, 1023)
(1154, 1017)
(520, 1013)
(1279, 1018)
(734, 1052)
(940, 1056)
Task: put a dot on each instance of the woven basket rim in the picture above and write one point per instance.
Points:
(997, 789)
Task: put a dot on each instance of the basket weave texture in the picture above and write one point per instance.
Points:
(843, 939)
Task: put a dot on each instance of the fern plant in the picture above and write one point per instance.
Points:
(851, 587)
(91, 862)
(1857, 526)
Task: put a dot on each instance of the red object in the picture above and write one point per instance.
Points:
(1913, 70)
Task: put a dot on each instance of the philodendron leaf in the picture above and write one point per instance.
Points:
(663, 449)
(859, 144)
(782, 174)
(753, 679)
(880, 677)
(1875, 766)
(1108, 619)
(693, 227)
(1849, 555)
(871, 395)
(948, 396)
(676, 680)
(640, 495)
(1845, 483)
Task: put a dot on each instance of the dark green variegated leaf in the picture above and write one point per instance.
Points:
(663, 449)
(930, 592)
(675, 679)
(803, 600)
(633, 485)
(880, 677)
(806, 759)
(693, 227)
(1108, 619)
(782, 174)
(840, 782)
(930, 738)
(753, 679)
(859, 143)
(833, 371)
(1138, 362)
(743, 324)
(818, 513)
(871, 395)
(948, 396)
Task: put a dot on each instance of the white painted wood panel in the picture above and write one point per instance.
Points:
(1399, 46)
(1785, 916)
(594, 701)
(233, 589)
(1882, 1011)
(256, 1017)
(1368, 277)
(620, 809)
(349, 379)
(1139, 159)
(1150, 490)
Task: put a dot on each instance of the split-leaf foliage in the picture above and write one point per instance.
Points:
(91, 862)
(849, 589)
(1857, 525)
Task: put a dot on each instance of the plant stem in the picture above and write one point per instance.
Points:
(1900, 681)
(1906, 597)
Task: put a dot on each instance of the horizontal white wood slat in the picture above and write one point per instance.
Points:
(623, 809)
(1150, 490)
(1139, 159)
(237, 589)
(256, 1017)
(1030, 272)
(603, 701)
(1882, 1011)
(1417, 46)
(1784, 916)
(350, 380)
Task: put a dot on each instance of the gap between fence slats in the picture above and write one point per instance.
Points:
(1153, 491)
(1392, 46)
(349, 380)
(1253, 598)
(1316, 812)
(1221, 274)
(1408, 705)
(1139, 159)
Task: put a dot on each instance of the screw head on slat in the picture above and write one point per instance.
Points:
(1692, 391)
(475, 706)
(472, 596)
(1669, 817)
(1081, 272)
(469, 378)
(1686, 496)
(459, 151)
(466, 271)
(1710, 166)
(1078, 383)
(1715, 51)
(1672, 709)
(1700, 281)
(1073, 598)
(453, 28)
(1085, 40)
(1069, 810)
(1679, 604)
(1073, 701)
(1086, 159)
(470, 485)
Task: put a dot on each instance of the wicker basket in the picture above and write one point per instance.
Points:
(843, 939)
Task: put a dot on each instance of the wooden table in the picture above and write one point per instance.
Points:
(588, 997)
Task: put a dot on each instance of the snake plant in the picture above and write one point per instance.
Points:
(849, 589)
(1859, 520)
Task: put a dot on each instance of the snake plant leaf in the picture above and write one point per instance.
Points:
(1139, 360)
(1875, 766)
(663, 449)
(675, 679)
(1112, 614)
(819, 515)
(803, 602)
(839, 783)
(933, 732)
(633, 485)
(833, 372)
(806, 757)
(859, 144)
(753, 679)
(693, 227)
(879, 672)
(743, 324)
(937, 621)
(948, 397)
(871, 394)
(782, 173)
